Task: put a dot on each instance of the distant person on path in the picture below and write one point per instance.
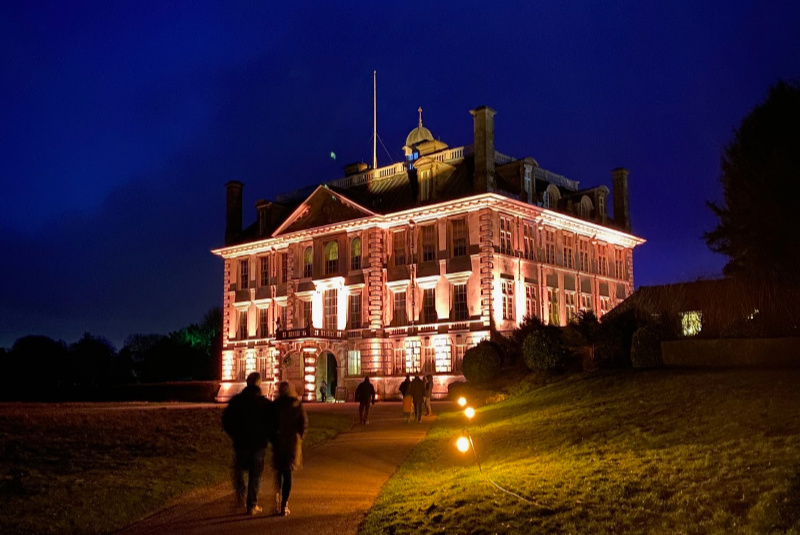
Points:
(428, 394)
(287, 442)
(323, 391)
(365, 395)
(408, 401)
(417, 389)
(249, 422)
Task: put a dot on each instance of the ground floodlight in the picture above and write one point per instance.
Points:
(469, 412)
(462, 444)
(462, 401)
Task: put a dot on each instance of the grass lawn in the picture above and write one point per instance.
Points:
(662, 451)
(93, 469)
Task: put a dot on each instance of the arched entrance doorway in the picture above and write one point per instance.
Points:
(328, 371)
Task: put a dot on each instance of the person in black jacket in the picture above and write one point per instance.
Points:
(287, 442)
(248, 420)
(365, 395)
(417, 390)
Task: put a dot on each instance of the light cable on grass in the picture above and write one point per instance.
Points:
(486, 475)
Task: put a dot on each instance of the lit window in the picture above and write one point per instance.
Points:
(443, 355)
(583, 255)
(264, 271)
(331, 257)
(691, 322)
(569, 302)
(354, 362)
(508, 300)
(530, 300)
(242, 325)
(355, 254)
(263, 329)
(602, 260)
(412, 356)
(355, 311)
(553, 313)
(330, 319)
(506, 238)
(528, 239)
(550, 246)
(619, 263)
(569, 246)
(284, 267)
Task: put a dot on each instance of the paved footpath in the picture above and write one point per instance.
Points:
(331, 494)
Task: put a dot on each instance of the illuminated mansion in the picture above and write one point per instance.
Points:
(401, 269)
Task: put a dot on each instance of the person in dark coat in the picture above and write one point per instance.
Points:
(428, 394)
(248, 421)
(287, 442)
(408, 401)
(417, 390)
(365, 395)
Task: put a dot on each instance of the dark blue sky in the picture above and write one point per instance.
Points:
(121, 124)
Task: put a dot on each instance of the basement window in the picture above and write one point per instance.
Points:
(691, 322)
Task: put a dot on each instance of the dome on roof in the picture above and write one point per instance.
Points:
(419, 134)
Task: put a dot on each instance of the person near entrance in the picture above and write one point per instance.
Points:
(365, 395)
(249, 421)
(287, 442)
(323, 391)
(417, 389)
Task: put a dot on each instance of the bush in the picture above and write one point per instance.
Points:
(545, 349)
(614, 343)
(482, 363)
(646, 345)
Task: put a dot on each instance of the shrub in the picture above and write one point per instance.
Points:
(646, 345)
(482, 363)
(545, 349)
(614, 343)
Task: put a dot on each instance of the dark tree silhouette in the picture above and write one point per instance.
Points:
(759, 216)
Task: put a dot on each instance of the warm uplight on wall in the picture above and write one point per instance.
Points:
(462, 401)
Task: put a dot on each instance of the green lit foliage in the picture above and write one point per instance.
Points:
(482, 363)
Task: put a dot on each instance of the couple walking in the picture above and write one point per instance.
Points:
(416, 396)
(253, 422)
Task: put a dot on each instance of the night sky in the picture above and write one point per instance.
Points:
(122, 123)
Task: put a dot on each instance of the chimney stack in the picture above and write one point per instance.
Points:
(233, 212)
(619, 184)
(483, 148)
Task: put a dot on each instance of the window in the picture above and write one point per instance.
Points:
(284, 267)
(355, 254)
(605, 305)
(263, 326)
(428, 243)
(265, 365)
(569, 301)
(508, 300)
(330, 299)
(331, 257)
(585, 207)
(505, 235)
(552, 305)
(602, 260)
(428, 305)
(355, 311)
(550, 197)
(691, 322)
(601, 206)
(399, 248)
(412, 356)
(308, 261)
(583, 255)
(459, 237)
(530, 301)
(243, 325)
(244, 274)
(400, 315)
(460, 310)
(586, 302)
(264, 271)
(527, 180)
(354, 362)
(527, 228)
(443, 355)
(550, 246)
(569, 247)
(619, 263)
(280, 322)
(546, 199)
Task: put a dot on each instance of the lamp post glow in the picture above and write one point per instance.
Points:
(462, 401)
(469, 412)
(462, 444)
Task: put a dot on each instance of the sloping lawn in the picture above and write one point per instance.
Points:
(660, 451)
(92, 469)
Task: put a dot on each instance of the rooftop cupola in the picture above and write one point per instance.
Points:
(420, 141)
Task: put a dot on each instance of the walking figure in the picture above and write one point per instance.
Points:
(417, 390)
(365, 395)
(323, 391)
(248, 419)
(287, 443)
